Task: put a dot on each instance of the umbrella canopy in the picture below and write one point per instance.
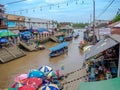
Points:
(26, 88)
(45, 69)
(87, 48)
(49, 87)
(5, 33)
(52, 74)
(35, 73)
(11, 89)
(3, 40)
(17, 85)
(45, 32)
(33, 82)
(21, 77)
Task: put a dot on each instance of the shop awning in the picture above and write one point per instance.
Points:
(100, 47)
(111, 84)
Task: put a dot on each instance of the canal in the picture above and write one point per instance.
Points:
(33, 60)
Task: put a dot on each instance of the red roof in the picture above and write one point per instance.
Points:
(115, 31)
(114, 24)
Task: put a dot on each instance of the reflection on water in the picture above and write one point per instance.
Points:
(33, 60)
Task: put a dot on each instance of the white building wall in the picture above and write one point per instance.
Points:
(38, 23)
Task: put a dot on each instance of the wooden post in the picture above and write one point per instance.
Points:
(119, 62)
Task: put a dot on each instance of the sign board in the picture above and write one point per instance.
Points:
(11, 24)
(105, 31)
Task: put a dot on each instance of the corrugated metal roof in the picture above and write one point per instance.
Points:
(116, 37)
(100, 47)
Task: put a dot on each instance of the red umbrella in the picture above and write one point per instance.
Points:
(33, 82)
(57, 73)
(26, 88)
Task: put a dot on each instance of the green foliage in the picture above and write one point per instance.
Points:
(79, 25)
(116, 18)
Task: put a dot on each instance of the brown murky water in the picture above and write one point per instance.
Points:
(33, 60)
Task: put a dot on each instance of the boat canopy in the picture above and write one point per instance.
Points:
(60, 46)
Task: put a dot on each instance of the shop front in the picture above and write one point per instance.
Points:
(102, 60)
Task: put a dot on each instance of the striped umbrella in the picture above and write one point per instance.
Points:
(49, 87)
(17, 85)
(11, 89)
(52, 74)
(45, 69)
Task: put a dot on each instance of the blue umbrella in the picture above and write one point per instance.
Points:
(49, 87)
(35, 73)
(3, 40)
(45, 69)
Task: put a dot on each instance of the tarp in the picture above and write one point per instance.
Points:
(111, 84)
(40, 30)
(3, 40)
(5, 33)
(58, 47)
(100, 47)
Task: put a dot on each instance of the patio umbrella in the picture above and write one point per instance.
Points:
(11, 89)
(17, 85)
(26, 88)
(21, 77)
(33, 82)
(5, 33)
(3, 40)
(45, 69)
(45, 32)
(49, 87)
(52, 74)
(87, 48)
(35, 73)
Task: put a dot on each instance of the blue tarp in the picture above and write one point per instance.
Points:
(40, 30)
(58, 47)
(3, 40)
(25, 33)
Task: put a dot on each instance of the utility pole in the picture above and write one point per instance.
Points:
(94, 22)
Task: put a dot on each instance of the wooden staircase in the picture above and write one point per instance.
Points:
(10, 52)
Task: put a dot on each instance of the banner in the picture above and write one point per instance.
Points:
(105, 31)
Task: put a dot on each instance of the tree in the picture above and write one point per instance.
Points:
(116, 18)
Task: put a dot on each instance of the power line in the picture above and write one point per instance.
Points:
(106, 8)
(15, 2)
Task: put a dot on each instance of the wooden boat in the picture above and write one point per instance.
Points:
(76, 35)
(68, 38)
(59, 49)
(41, 47)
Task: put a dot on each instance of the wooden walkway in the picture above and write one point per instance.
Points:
(73, 79)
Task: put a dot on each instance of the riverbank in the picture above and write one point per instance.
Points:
(71, 62)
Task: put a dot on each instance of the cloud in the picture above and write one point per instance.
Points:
(54, 1)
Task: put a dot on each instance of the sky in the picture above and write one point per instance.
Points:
(79, 11)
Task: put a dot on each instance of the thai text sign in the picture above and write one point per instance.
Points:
(105, 31)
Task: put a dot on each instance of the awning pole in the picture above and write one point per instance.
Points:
(119, 62)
